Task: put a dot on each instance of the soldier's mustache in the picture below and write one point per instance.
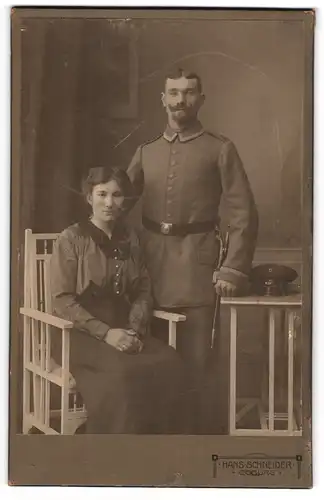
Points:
(178, 108)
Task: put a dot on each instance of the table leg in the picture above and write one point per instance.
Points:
(271, 367)
(233, 337)
(291, 318)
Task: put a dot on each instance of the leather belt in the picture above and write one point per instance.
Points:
(170, 229)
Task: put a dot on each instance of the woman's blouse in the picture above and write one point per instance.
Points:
(85, 259)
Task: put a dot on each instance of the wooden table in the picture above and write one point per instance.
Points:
(289, 308)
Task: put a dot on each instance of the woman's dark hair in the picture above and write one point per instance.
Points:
(101, 175)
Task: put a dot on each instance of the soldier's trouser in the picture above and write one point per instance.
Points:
(194, 346)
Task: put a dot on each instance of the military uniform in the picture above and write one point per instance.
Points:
(181, 177)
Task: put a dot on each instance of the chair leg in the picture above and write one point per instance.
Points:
(26, 425)
(173, 334)
(72, 426)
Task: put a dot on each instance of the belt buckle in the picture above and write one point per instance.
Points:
(166, 227)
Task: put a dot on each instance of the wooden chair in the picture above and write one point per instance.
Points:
(40, 381)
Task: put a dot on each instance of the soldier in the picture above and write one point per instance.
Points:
(181, 176)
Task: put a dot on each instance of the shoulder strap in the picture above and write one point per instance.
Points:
(218, 136)
(151, 140)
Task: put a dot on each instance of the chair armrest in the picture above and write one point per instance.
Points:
(49, 319)
(62, 323)
(169, 316)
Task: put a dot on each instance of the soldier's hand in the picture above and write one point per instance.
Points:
(225, 288)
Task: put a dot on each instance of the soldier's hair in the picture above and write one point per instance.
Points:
(177, 73)
(101, 175)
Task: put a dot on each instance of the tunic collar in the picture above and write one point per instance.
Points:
(185, 135)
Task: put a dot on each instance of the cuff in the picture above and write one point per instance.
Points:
(139, 316)
(233, 276)
(98, 329)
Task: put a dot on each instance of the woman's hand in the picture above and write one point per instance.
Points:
(138, 343)
(124, 341)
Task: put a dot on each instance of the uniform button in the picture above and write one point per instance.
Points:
(173, 163)
(171, 176)
(117, 266)
(169, 188)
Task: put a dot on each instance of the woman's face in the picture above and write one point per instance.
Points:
(106, 201)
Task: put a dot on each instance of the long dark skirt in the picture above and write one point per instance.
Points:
(129, 393)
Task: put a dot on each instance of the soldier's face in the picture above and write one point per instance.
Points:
(106, 201)
(182, 99)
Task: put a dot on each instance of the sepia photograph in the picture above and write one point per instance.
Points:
(161, 247)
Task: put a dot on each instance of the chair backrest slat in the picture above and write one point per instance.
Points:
(47, 296)
(38, 250)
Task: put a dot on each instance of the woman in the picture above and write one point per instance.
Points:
(129, 381)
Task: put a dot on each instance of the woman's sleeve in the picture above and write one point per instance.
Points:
(64, 268)
(141, 293)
